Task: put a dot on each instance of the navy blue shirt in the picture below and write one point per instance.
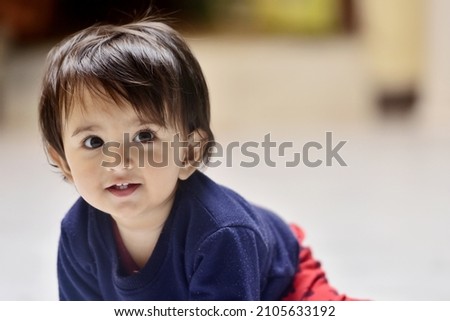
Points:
(213, 246)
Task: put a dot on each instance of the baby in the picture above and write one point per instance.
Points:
(125, 114)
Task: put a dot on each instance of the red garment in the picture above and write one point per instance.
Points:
(310, 283)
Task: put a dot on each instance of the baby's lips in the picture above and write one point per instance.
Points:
(123, 186)
(123, 189)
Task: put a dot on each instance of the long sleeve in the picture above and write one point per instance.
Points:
(76, 282)
(228, 266)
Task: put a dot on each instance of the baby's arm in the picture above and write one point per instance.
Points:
(75, 282)
(227, 266)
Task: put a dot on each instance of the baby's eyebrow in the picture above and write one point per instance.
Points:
(81, 129)
(143, 122)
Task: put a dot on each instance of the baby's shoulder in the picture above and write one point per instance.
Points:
(76, 219)
(206, 200)
(208, 207)
(80, 226)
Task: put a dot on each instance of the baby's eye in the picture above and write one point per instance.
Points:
(145, 136)
(93, 142)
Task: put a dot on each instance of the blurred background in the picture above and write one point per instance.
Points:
(375, 73)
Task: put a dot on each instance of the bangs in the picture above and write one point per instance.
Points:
(76, 98)
(124, 68)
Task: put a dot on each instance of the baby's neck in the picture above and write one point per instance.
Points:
(140, 234)
(140, 244)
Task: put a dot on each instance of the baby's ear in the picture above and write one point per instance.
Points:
(193, 156)
(60, 162)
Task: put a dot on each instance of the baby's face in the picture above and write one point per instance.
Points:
(119, 164)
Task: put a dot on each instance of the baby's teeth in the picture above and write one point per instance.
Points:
(122, 186)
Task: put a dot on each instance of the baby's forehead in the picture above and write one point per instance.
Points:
(95, 98)
(83, 101)
(88, 102)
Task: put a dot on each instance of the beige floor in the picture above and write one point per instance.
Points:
(379, 225)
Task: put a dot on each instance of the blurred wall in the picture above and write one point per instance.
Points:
(436, 104)
(34, 20)
(393, 39)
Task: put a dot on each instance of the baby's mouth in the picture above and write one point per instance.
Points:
(123, 189)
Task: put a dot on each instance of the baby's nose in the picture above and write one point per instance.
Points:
(120, 156)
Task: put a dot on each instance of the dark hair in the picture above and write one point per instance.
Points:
(145, 63)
